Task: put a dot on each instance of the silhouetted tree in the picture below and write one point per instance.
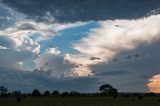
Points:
(65, 94)
(3, 91)
(16, 93)
(46, 93)
(55, 92)
(9, 94)
(150, 94)
(108, 90)
(35, 92)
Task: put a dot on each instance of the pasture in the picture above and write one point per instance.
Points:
(80, 101)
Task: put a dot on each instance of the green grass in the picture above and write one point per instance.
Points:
(81, 101)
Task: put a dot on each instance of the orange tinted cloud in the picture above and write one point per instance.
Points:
(154, 84)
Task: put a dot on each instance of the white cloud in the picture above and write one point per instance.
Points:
(45, 31)
(113, 37)
(17, 49)
(154, 84)
(17, 45)
(52, 62)
(2, 47)
(58, 66)
(79, 72)
(53, 51)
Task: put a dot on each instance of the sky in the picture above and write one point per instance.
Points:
(79, 45)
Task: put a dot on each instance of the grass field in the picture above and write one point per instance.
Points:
(81, 101)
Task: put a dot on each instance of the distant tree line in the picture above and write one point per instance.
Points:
(104, 90)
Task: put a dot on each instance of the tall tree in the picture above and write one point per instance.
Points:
(46, 93)
(55, 92)
(35, 92)
(107, 89)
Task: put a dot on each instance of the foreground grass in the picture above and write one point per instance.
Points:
(81, 101)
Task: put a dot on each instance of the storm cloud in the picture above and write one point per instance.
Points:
(72, 11)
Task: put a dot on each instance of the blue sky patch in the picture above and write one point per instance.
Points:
(69, 36)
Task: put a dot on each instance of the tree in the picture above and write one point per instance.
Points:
(55, 92)
(107, 89)
(16, 93)
(3, 90)
(46, 93)
(65, 94)
(35, 92)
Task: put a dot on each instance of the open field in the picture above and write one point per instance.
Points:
(81, 101)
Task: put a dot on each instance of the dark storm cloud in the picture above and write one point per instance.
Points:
(84, 10)
(135, 86)
(27, 81)
(135, 55)
(145, 76)
(115, 72)
(83, 84)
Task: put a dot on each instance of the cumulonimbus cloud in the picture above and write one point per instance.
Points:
(17, 43)
(113, 37)
(154, 84)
